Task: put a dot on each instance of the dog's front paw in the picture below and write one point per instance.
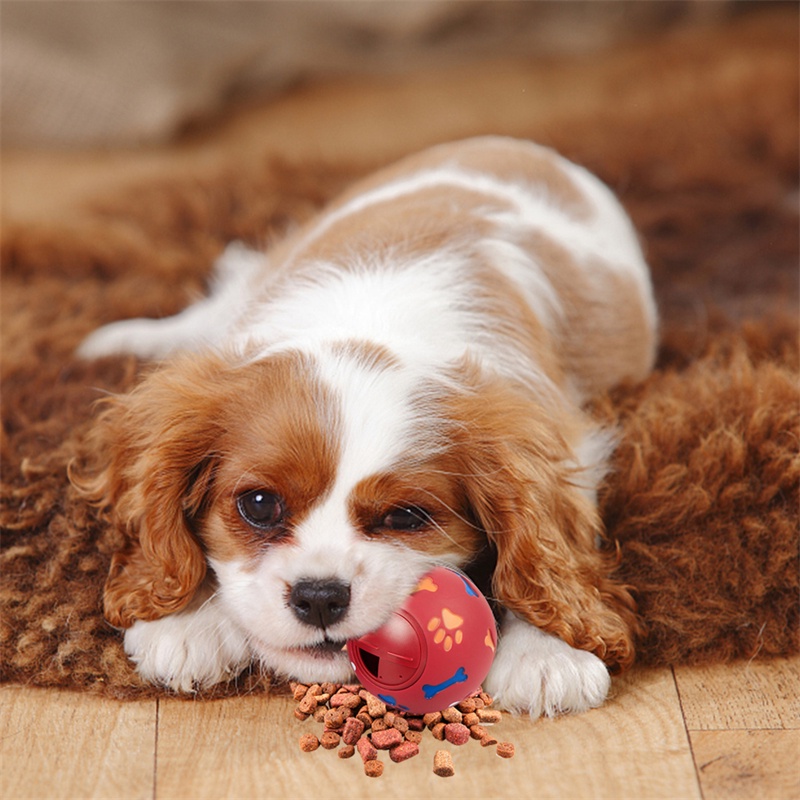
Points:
(537, 673)
(187, 651)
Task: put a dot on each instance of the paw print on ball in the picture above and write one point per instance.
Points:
(447, 627)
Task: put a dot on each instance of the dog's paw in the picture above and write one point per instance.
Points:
(139, 337)
(187, 651)
(537, 673)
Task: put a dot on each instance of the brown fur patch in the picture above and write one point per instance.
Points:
(508, 161)
(602, 332)
(279, 434)
(430, 486)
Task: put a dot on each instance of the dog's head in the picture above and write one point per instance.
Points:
(312, 492)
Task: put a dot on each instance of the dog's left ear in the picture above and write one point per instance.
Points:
(524, 489)
(156, 445)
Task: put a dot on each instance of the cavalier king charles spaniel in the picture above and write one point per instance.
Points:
(396, 385)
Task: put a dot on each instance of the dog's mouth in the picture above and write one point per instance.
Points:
(325, 649)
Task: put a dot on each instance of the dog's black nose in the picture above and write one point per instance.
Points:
(320, 603)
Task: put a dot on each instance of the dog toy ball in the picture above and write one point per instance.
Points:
(434, 651)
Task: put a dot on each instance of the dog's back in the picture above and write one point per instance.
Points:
(494, 244)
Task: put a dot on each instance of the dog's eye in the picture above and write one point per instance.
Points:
(261, 509)
(406, 518)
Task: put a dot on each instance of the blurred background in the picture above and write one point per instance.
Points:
(81, 74)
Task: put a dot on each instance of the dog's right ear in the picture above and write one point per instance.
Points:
(523, 486)
(156, 447)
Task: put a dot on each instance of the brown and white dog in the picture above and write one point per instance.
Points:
(396, 385)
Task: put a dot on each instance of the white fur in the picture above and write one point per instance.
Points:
(193, 649)
(205, 323)
(537, 673)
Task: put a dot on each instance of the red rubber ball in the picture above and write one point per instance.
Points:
(434, 651)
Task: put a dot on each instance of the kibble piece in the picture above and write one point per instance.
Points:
(438, 731)
(365, 718)
(346, 751)
(488, 741)
(414, 736)
(451, 714)
(403, 751)
(443, 764)
(456, 733)
(431, 719)
(308, 742)
(477, 732)
(366, 749)
(373, 768)
(375, 707)
(415, 724)
(379, 724)
(353, 728)
(471, 719)
(308, 705)
(346, 700)
(336, 717)
(329, 688)
(505, 749)
(489, 716)
(467, 706)
(298, 690)
(330, 740)
(384, 740)
(400, 724)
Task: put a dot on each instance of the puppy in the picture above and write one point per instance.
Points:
(396, 385)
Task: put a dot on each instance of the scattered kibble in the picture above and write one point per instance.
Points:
(354, 720)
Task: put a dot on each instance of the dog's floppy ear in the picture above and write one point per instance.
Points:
(156, 445)
(523, 489)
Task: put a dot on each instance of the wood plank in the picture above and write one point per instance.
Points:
(747, 764)
(746, 694)
(636, 745)
(59, 744)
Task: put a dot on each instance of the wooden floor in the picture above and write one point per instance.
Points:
(711, 733)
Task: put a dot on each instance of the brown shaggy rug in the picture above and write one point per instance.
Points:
(703, 501)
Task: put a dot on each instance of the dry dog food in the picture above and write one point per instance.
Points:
(373, 768)
(354, 720)
(456, 733)
(505, 749)
(308, 743)
(347, 751)
(443, 764)
(330, 740)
